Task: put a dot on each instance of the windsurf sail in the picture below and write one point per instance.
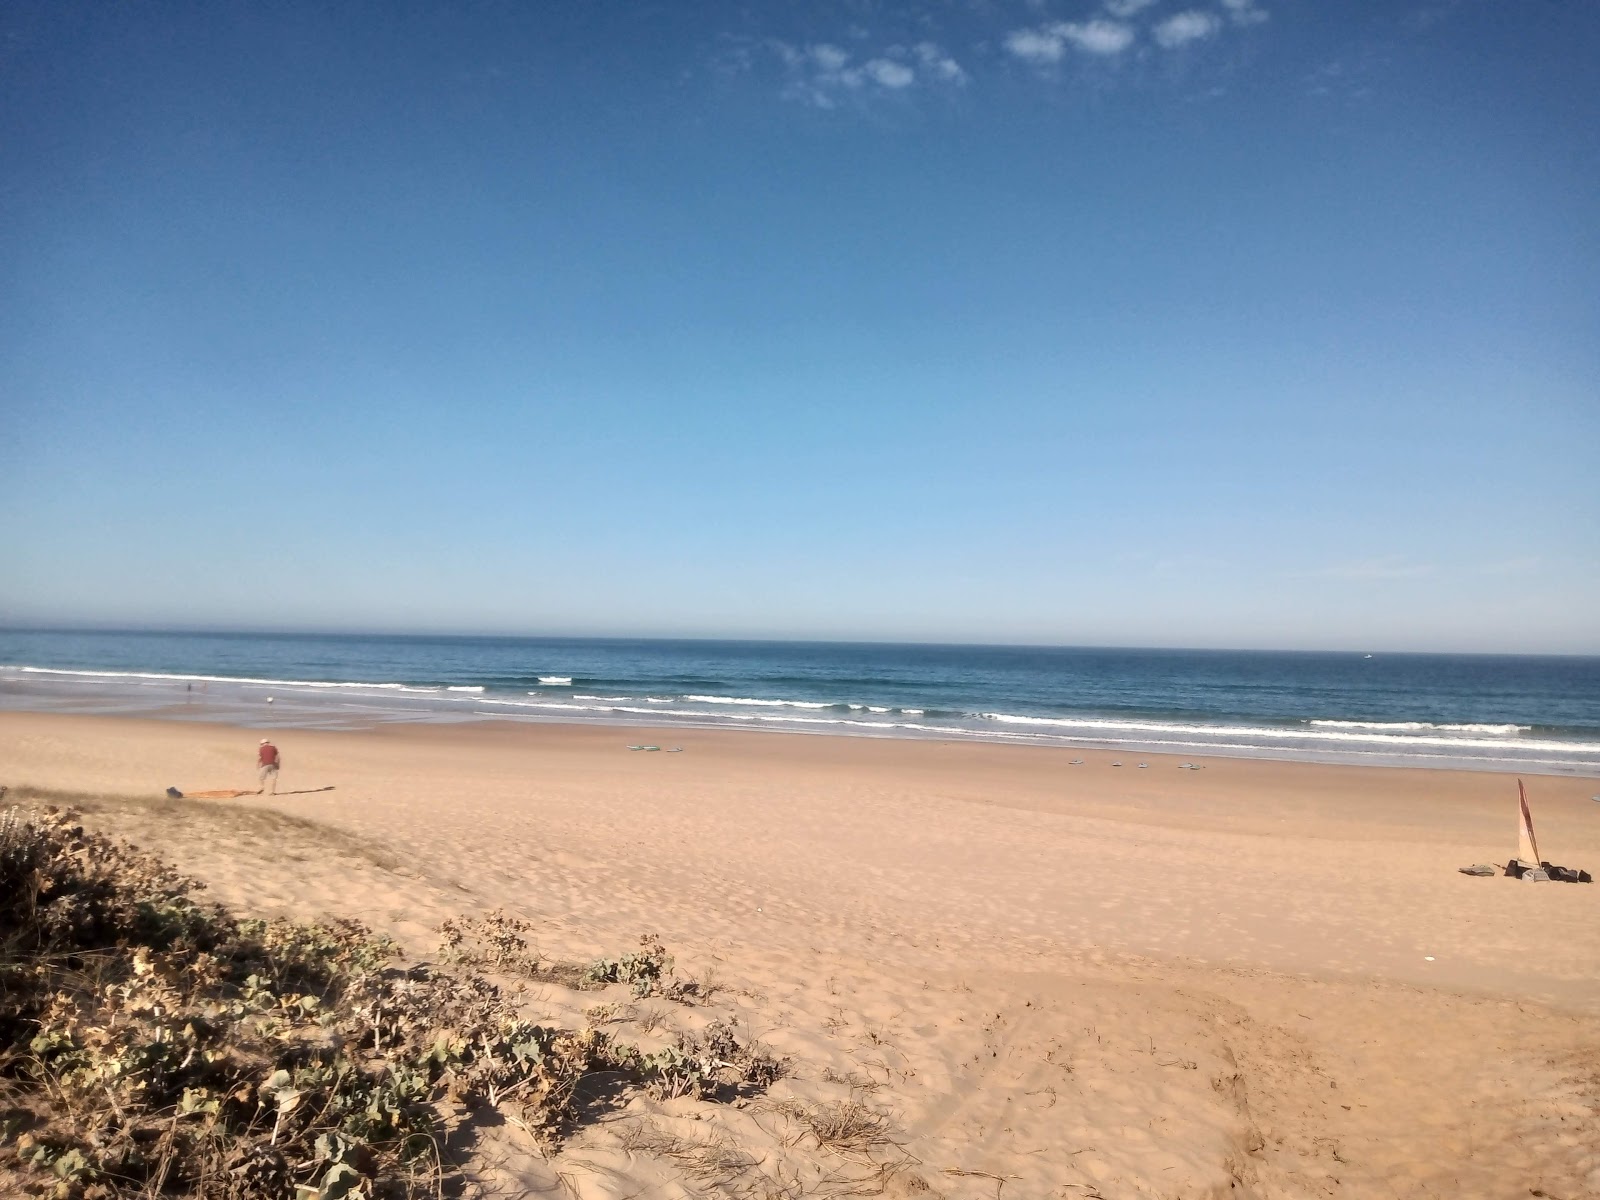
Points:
(1527, 844)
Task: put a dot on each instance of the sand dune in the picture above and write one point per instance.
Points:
(1043, 980)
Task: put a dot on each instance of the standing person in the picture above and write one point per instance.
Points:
(267, 760)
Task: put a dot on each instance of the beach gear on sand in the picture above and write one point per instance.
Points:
(1528, 866)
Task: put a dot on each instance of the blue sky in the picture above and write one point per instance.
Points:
(1228, 323)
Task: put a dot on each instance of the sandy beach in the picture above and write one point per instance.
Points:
(1053, 979)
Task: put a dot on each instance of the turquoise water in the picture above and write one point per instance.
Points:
(1496, 712)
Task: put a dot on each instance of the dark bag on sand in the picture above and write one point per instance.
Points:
(1518, 869)
(1568, 874)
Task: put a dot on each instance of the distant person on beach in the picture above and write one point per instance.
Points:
(267, 761)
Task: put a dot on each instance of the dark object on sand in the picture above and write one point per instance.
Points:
(174, 794)
(1568, 874)
(1518, 869)
(1477, 869)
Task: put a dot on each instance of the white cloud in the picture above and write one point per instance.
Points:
(890, 74)
(790, 55)
(1100, 37)
(1187, 27)
(1035, 45)
(1126, 8)
(938, 65)
(829, 57)
(1048, 43)
(823, 72)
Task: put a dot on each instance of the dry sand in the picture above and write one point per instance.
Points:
(1256, 979)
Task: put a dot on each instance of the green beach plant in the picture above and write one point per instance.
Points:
(152, 1044)
(645, 970)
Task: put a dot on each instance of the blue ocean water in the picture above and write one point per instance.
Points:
(1538, 714)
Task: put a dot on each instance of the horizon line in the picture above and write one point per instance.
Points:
(420, 635)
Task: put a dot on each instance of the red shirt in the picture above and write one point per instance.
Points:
(269, 755)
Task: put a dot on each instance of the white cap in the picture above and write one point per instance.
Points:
(263, 741)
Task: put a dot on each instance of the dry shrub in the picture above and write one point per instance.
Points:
(151, 1044)
(842, 1125)
(714, 1160)
(645, 971)
(711, 1064)
(499, 943)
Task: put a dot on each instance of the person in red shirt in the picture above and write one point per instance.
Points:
(267, 761)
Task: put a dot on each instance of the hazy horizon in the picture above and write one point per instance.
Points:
(504, 635)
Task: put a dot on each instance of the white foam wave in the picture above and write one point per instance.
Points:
(178, 677)
(556, 680)
(702, 714)
(1422, 727)
(1248, 734)
(1483, 742)
(747, 701)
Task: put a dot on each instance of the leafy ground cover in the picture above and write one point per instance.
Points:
(154, 1044)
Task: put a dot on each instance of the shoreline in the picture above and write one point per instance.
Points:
(310, 705)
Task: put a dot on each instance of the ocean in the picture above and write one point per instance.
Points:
(1490, 712)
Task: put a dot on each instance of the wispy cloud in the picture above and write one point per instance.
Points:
(823, 73)
(1118, 30)
(1511, 566)
(1048, 43)
(1427, 16)
(1245, 12)
(1389, 566)
(937, 65)
(855, 64)
(1185, 27)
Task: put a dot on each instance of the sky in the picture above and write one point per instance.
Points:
(1235, 323)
